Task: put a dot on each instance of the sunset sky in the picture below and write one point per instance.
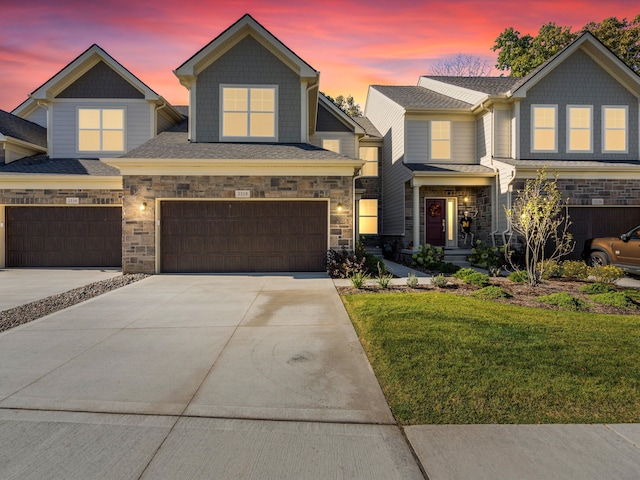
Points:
(352, 43)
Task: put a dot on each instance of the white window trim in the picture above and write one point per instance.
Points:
(555, 130)
(440, 139)
(376, 161)
(248, 138)
(101, 107)
(568, 138)
(332, 140)
(626, 128)
(376, 216)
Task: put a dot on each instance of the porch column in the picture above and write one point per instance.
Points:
(416, 217)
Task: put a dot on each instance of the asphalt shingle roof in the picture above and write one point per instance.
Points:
(369, 128)
(16, 127)
(43, 165)
(173, 144)
(447, 168)
(488, 85)
(420, 98)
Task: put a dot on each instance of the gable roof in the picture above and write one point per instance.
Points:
(340, 115)
(78, 67)
(420, 98)
(487, 85)
(43, 165)
(368, 126)
(12, 126)
(246, 25)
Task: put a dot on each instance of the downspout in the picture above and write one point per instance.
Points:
(155, 120)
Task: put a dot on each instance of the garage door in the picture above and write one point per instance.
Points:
(64, 236)
(243, 236)
(590, 222)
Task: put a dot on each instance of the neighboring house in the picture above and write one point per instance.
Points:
(241, 187)
(59, 204)
(457, 143)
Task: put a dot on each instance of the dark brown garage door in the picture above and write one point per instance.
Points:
(64, 236)
(590, 222)
(243, 236)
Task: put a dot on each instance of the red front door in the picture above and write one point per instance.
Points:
(435, 222)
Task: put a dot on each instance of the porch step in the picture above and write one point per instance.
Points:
(457, 256)
(377, 251)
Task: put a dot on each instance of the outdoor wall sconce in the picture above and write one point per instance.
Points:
(339, 207)
(465, 200)
(143, 206)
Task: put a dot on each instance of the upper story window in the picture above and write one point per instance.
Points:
(248, 113)
(101, 129)
(370, 154)
(331, 144)
(614, 129)
(440, 140)
(544, 119)
(579, 127)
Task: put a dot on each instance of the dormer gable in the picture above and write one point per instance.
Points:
(247, 75)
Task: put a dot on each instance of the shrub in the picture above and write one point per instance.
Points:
(614, 299)
(412, 280)
(492, 292)
(428, 256)
(470, 276)
(519, 276)
(344, 263)
(359, 279)
(439, 281)
(551, 269)
(607, 273)
(575, 270)
(486, 256)
(448, 267)
(564, 300)
(463, 273)
(383, 278)
(595, 288)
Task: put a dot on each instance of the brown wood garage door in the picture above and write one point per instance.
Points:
(243, 236)
(590, 222)
(64, 236)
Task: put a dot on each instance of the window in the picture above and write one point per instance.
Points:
(579, 129)
(331, 144)
(614, 129)
(368, 217)
(101, 130)
(543, 124)
(370, 154)
(249, 113)
(440, 140)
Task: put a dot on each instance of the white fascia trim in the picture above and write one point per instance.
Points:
(460, 93)
(447, 179)
(229, 167)
(60, 182)
(21, 144)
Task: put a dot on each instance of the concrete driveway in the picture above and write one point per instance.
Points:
(197, 376)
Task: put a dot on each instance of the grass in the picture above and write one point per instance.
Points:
(447, 359)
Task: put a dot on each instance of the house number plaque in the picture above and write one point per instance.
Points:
(243, 193)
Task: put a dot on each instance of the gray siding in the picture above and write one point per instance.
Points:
(163, 123)
(483, 148)
(101, 81)
(579, 81)
(39, 116)
(64, 128)
(347, 142)
(388, 118)
(327, 121)
(248, 63)
(502, 133)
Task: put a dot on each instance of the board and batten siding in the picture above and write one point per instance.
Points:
(418, 138)
(388, 118)
(39, 116)
(347, 142)
(64, 129)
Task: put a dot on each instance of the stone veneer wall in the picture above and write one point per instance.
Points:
(58, 197)
(139, 228)
(583, 191)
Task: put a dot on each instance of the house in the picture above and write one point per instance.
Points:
(455, 144)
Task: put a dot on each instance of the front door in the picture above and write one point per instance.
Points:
(435, 221)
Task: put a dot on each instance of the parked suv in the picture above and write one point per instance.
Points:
(623, 251)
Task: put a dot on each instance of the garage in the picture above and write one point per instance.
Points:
(243, 236)
(606, 221)
(63, 236)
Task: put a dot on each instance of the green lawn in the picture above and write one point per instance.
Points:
(442, 358)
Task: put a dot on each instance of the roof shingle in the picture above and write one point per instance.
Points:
(420, 98)
(43, 165)
(16, 127)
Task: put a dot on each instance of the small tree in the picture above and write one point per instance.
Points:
(539, 219)
(461, 65)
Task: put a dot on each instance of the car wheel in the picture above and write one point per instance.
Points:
(597, 259)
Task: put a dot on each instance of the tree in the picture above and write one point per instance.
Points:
(461, 65)
(522, 54)
(539, 220)
(347, 104)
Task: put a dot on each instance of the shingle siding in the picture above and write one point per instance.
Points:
(101, 81)
(327, 121)
(248, 63)
(579, 81)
